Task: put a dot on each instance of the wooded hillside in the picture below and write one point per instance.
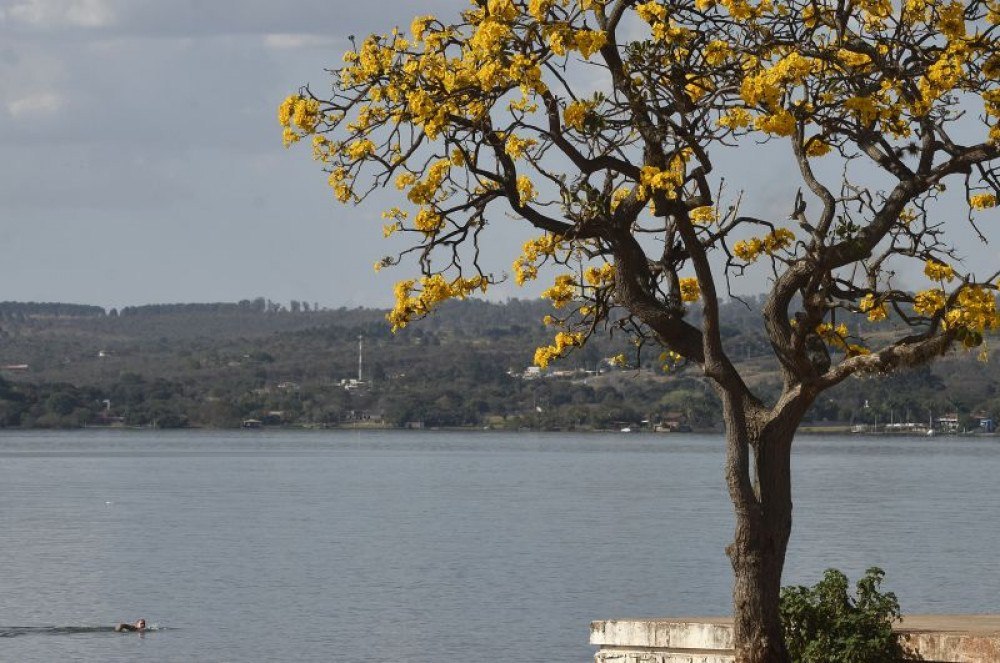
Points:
(220, 364)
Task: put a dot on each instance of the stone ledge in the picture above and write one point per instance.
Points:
(936, 638)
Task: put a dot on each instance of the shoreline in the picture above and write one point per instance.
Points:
(807, 431)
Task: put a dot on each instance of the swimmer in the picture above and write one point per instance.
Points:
(139, 626)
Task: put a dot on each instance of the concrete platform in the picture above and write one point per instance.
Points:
(936, 638)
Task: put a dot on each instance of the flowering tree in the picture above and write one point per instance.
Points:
(595, 124)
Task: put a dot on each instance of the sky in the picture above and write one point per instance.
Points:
(143, 160)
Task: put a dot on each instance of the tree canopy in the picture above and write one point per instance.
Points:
(474, 114)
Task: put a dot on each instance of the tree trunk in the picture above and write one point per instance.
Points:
(763, 524)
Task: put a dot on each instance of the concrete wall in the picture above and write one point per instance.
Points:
(936, 638)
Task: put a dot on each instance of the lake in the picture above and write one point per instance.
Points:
(444, 546)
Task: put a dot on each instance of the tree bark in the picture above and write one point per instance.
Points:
(763, 507)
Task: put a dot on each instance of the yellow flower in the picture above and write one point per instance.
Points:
(835, 336)
(736, 118)
(983, 201)
(598, 276)
(748, 250)
(589, 42)
(975, 310)
(404, 180)
(525, 268)
(428, 221)
(516, 147)
(857, 350)
(360, 149)
(717, 52)
(564, 341)
(562, 291)
(690, 289)
(670, 359)
(817, 148)
(929, 302)
(704, 214)
(419, 26)
(651, 12)
(414, 302)
(876, 311)
(576, 114)
(937, 271)
(781, 123)
(780, 239)
(526, 189)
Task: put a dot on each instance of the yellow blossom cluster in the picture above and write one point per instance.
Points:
(619, 360)
(717, 52)
(937, 271)
(832, 334)
(983, 201)
(599, 276)
(929, 302)
(668, 180)
(576, 114)
(516, 147)
(750, 249)
(562, 291)
(533, 251)
(736, 118)
(876, 310)
(340, 184)
(765, 87)
(526, 189)
(704, 214)
(415, 299)
(299, 116)
(991, 103)
(817, 148)
(422, 82)
(428, 190)
(690, 289)
(975, 309)
(943, 75)
(618, 196)
(669, 359)
(397, 216)
(837, 337)
(428, 221)
(563, 342)
(664, 30)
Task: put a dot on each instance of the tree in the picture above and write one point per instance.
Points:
(484, 115)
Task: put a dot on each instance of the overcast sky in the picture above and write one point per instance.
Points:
(143, 162)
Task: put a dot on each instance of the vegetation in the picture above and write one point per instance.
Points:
(601, 124)
(825, 624)
(220, 364)
(216, 365)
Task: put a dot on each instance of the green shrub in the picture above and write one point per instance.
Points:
(825, 624)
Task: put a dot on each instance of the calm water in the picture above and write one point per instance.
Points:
(250, 546)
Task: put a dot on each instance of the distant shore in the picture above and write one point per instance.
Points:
(811, 429)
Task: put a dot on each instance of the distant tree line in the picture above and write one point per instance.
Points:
(220, 364)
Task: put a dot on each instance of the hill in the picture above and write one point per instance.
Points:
(467, 365)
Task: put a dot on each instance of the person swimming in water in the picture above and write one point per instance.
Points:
(139, 626)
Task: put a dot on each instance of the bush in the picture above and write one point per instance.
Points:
(825, 624)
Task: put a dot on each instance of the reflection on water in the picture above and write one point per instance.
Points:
(420, 547)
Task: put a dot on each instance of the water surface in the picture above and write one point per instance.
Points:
(430, 546)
